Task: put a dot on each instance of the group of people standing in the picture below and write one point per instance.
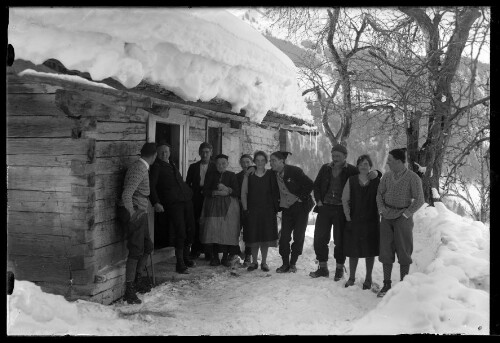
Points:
(371, 213)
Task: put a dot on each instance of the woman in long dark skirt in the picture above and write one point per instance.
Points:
(260, 201)
(220, 216)
(361, 236)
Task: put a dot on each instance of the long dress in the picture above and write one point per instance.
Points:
(262, 226)
(220, 216)
(362, 234)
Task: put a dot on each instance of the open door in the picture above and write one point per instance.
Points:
(175, 131)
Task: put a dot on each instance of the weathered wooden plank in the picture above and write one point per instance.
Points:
(29, 126)
(108, 232)
(105, 215)
(44, 223)
(70, 293)
(29, 87)
(75, 104)
(110, 254)
(106, 131)
(118, 148)
(114, 165)
(114, 180)
(37, 268)
(46, 179)
(115, 136)
(114, 192)
(33, 105)
(38, 201)
(111, 294)
(50, 146)
(45, 160)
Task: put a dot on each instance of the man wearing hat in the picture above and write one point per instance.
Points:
(399, 196)
(296, 202)
(132, 213)
(328, 188)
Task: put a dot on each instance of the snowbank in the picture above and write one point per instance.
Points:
(450, 291)
(197, 53)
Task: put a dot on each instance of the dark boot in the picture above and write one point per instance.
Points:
(339, 273)
(385, 289)
(130, 297)
(225, 260)
(188, 262)
(285, 268)
(321, 271)
(180, 267)
(142, 284)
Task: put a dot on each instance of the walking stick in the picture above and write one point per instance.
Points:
(152, 269)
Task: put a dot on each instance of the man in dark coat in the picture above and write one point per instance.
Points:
(295, 202)
(195, 179)
(328, 188)
(170, 194)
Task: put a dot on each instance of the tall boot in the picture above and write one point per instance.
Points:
(142, 283)
(180, 267)
(187, 258)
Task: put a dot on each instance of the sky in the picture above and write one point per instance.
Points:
(446, 292)
(197, 53)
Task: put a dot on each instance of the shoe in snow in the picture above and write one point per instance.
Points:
(367, 285)
(385, 289)
(283, 269)
(252, 266)
(349, 282)
(130, 296)
(189, 263)
(264, 267)
(181, 268)
(293, 268)
(215, 261)
(339, 272)
(321, 271)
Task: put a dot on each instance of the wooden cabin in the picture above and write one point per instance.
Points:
(68, 147)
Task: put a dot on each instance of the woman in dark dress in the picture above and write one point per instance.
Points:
(260, 199)
(220, 216)
(361, 237)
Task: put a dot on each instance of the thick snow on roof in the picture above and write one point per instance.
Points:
(197, 53)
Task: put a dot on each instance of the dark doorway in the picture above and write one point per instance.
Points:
(170, 133)
(215, 139)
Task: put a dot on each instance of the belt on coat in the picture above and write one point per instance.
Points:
(395, 208)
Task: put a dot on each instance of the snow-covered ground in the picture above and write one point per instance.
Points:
(447, 291)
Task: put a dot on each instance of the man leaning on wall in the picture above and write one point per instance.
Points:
(132, 213)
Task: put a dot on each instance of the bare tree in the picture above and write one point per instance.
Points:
(338, 40)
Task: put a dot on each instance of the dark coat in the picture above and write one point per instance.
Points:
(322, 182)
(299, 184)
(166, 184)
(228, 179)
(193, 177)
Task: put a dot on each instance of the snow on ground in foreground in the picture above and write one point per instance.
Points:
(198, 53)
(447, 291)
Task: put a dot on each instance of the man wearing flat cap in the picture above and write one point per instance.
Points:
(132, 213)
(328, 188)
(295, 203)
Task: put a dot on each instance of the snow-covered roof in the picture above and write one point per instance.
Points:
(199, 54)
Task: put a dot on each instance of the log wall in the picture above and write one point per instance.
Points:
(67, 153)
